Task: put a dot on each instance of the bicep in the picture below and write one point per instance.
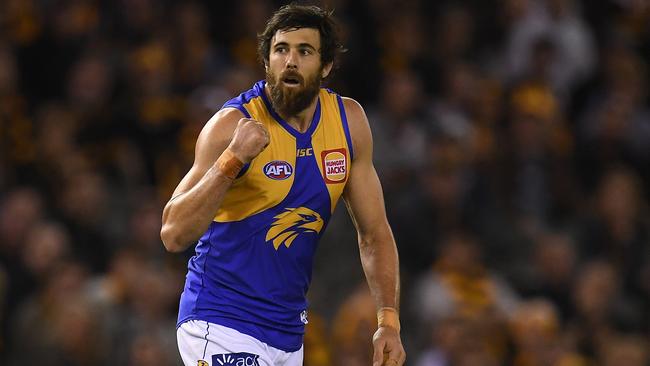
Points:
(212, 141)
(364, 199)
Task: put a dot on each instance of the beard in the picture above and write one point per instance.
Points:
(291, 101)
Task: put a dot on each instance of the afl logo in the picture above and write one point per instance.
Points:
(335, 165)
(278, 170)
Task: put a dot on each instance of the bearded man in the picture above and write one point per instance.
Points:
(269, 169)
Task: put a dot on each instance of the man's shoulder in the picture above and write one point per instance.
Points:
(222, 124)
(352, 107)
(352, 104)
(357, 124)
(354, 111)
(228, 114)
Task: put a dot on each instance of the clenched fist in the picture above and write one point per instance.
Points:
(249, 139)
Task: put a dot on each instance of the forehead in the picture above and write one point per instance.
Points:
(297, 36)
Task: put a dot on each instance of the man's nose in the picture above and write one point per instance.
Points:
(292, 60)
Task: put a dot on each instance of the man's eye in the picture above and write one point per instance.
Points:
(306, 52)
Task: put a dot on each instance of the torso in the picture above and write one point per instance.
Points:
(253, 266)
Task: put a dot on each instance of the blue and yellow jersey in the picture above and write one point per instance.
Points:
(253, 265)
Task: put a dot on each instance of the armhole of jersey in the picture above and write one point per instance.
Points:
(243, 170)
(239, 107)
(346, 129)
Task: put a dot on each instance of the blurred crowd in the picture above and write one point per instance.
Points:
(512, 138)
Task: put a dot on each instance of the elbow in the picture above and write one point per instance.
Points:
(170, 240)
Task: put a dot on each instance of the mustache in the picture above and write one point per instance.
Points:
(292, 74)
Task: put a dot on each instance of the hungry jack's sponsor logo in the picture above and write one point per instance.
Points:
(335, 165)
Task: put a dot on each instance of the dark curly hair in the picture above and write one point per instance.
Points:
(294, 16)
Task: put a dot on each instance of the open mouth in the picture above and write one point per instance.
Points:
(291, 80)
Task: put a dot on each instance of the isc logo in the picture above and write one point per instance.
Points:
(278, 170)
(304, 152)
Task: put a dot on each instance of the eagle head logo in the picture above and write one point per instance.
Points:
(291, 223)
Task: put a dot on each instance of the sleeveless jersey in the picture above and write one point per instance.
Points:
(253, 265)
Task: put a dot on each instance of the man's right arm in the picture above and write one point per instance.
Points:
(196, 199)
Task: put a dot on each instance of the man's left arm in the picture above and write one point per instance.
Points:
(365, 202)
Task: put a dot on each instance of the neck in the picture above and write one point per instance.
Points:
(301, 120)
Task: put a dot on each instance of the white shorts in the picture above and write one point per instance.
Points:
(207, 344)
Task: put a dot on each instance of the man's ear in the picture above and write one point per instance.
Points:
(326, 70)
